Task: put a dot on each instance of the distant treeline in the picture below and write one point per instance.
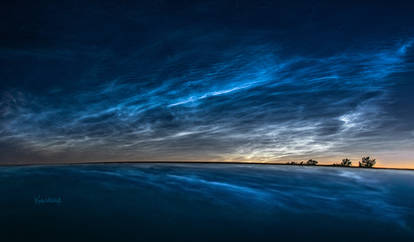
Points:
(366, 162)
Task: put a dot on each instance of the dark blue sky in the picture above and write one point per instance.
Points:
(206, 80)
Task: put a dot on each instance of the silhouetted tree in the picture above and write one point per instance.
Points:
(346, 162)
(311, 162)
(367, 162)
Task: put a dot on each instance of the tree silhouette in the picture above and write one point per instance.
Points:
(346, 162)
(311, 162)
(366, 162)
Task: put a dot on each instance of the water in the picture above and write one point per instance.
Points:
(205, 202)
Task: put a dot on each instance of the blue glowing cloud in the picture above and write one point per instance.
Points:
(201, 92)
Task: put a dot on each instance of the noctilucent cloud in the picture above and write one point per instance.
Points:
(217, 80)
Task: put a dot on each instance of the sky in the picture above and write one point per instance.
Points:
(219, 80)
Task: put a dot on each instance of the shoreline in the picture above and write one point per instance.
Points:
(193, 162)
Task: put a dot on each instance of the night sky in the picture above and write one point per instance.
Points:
(219, 80)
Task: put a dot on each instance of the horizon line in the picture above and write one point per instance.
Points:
(189, 162)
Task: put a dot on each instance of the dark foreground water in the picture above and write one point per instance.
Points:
(205, 202)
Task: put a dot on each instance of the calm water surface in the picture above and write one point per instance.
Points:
(205, 202)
